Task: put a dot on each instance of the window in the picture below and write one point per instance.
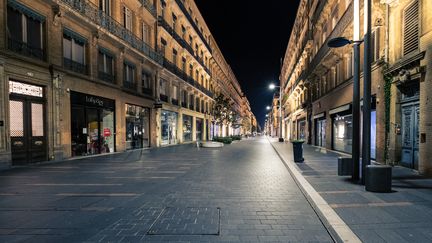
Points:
(324, 34)
(105, 66)
(175, 57)
(25, 31)
(184, 98)
(146, 83)
(411, 28)
(191, 70)
(163, 87)
(145, 32)
(163, 46)
(105, 6)
(197, 74)
(375, 44)
(129, 75)
(191, 102)
(184, 64)
(174, 95)
(349, 66)
(197, 104)
(335, 16)
(74, 52)
(127, 18)
(174, 21)
(183, 31)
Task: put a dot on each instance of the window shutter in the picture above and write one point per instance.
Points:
(411, 28)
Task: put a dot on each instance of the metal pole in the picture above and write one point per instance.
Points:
(356, 115)
(281, 139)
(367, 90)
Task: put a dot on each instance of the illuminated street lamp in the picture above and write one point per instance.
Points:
(272, 87)
(340, 42)
(268, 107)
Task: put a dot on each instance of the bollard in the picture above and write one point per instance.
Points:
(378, 178)
(344, 166)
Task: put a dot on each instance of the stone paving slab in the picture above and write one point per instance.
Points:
(402, 216)
(118, 198)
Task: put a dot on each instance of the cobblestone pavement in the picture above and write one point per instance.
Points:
(239, 193)
(402, 216)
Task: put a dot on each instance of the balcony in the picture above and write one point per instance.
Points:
(146, 4)
(163, 98)
(91, 11)
(147, 91)
(179, 73)
(342, 24)
(129, 85)
(25, 50)
(75, 66)
(192, 22)
(107, 77)
(182, 42)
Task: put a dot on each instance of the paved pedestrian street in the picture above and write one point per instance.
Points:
(239, 193)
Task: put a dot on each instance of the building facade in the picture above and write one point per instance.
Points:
(318, 85)
(318, 80)
(91, 77)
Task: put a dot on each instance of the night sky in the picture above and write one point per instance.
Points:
(253, 39)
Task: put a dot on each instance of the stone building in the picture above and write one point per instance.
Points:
(409, 77)
(87, 77)
(318, 81)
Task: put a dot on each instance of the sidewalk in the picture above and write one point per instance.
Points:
(402, 216)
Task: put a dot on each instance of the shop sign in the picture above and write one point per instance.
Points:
(107, 132)
(91, 100)
(25, 89)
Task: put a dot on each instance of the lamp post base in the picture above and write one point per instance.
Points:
(281, 140)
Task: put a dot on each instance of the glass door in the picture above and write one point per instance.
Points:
(107, 140)
(79, 131)
(93, 140)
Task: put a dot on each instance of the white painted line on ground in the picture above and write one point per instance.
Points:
(98, 194)
(74, 184)
(338, 229)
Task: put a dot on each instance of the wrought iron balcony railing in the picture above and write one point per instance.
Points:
(186, 13)
(177, 71)
(75, 66)
(107, 77)
(147, 91)
(162, 22)
(25, 49)
(102, 19)
(149, 7)
(130, 85)
(163, 98)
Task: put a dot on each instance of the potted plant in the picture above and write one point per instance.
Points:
(298, 150)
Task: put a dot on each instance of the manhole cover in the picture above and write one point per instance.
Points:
(187, 221)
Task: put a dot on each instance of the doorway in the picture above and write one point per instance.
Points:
(27, 124)
(410, 135)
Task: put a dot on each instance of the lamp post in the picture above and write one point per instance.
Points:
(272, 87)
(340, 42)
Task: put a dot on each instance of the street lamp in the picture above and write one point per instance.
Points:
(268, 107)
(339, 42)
(272, 87)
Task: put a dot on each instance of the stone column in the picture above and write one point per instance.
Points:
(5, 159)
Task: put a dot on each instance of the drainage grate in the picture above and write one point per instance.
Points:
(187, 221)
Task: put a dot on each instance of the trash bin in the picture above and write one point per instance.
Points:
(344, 166)
(298, 151)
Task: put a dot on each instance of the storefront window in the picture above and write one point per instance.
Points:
(92, 119)
(320, 133)
(187, 128)
(137, 127)
(301, 130)
(169, 127)
(199, 129)
(342, 133)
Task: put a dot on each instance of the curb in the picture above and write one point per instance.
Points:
(338, 229)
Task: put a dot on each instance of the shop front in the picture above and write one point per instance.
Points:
(301, 129)
(169, 127)
(137, 127)
(342, 128)
(199, 129)
(320, 130)
(187, 128)
(93, 124)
